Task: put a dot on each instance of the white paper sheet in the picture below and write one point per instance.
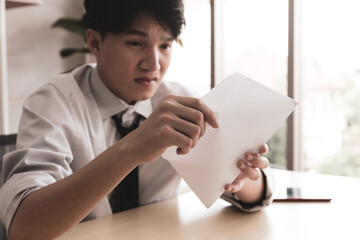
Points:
(248, 114)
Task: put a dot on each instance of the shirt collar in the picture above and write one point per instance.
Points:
(109, 104)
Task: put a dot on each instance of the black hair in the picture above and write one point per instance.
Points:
(114, 16)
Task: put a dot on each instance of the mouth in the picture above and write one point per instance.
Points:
(146, 81)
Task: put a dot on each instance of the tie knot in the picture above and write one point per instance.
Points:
(128, 117)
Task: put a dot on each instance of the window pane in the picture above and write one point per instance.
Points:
(331, 86)
(190, 64)
(255, 35)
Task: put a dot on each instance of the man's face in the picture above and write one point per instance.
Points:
(133, 63)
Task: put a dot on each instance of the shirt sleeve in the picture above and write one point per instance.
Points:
(265, 200)
(43, 154)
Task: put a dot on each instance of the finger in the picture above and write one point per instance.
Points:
(192, 115)
(236, 186)
(253, 174)
(246, 171)
(264, 149)
(175, 138)
(198, 104)
(248, 156)
(171, 107)
(189, 129)
(257, 161)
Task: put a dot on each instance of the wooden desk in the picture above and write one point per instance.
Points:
(186, 218)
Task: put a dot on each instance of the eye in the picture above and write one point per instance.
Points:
(135, 43)
(165, 46)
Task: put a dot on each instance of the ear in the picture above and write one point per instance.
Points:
(93, 40)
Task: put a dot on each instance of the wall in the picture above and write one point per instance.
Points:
(33, 49)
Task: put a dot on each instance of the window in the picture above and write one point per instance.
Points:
(331, 86)
(252, 37)
(190, 64)
(254, 43)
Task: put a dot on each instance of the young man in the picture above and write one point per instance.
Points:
(70, 156)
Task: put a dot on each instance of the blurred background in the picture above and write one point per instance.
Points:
(250, 37)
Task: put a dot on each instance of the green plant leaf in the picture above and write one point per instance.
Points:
(77, 26)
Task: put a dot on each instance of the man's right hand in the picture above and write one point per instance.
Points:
(176, 121)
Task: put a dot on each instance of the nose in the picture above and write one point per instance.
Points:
(151, 60)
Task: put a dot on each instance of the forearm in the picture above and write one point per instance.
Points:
(54, 209)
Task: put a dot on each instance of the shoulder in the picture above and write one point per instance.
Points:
(74, 82)
(65, 87)
(57, 107)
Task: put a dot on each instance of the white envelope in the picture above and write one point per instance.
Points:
(248, 114)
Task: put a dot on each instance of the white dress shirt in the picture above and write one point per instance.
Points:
(65, 125)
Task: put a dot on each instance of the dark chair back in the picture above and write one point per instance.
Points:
(7, 144)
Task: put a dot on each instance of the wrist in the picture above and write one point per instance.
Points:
(127, 154)
(137, 149)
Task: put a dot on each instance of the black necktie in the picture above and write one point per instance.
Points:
(126, 194)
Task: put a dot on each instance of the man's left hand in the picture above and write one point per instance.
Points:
(249, 167)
